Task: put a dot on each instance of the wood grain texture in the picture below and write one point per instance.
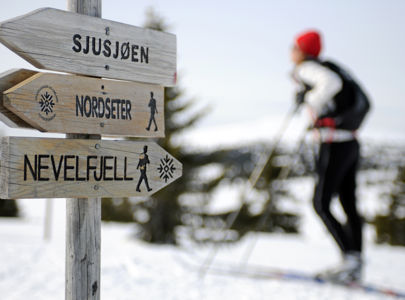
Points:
(9, 79)
(83, 243)
(46, 38)
(77, 104)
(83, 217)
(86, 7)
(60, 168)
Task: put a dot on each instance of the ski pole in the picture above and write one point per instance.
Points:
(253, 178)
(263, 218)
(265, 157)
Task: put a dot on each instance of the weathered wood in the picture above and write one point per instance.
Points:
(86, 7)
(7, 80)
(60, 168)
(69, 42)
(83, 241)
(83, 217)
(77, 104)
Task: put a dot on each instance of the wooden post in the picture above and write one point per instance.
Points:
(83, 241)
(85, 7)
(48, 219)
(83, 217)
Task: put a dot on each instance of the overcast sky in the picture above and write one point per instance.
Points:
(234, 55)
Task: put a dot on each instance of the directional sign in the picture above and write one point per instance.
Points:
(69, 42)
(7, 80)
(76, 104)
(63, 168)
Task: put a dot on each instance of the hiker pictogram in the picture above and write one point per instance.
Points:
(153, 110)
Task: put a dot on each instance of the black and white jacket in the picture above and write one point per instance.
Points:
(324, 85)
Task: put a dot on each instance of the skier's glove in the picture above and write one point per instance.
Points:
(325, 122)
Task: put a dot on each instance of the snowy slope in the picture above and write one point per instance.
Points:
(33, 269)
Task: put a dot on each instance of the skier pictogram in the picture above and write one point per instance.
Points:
(143, 161)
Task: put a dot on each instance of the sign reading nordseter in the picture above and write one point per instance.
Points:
(77, 104)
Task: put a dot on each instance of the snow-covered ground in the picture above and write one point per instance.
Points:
(31, 268)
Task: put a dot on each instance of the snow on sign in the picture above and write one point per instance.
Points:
(77, 104)
(64, 168)
(64, 41)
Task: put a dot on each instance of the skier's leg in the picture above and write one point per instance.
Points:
(341, 170)
(347, 196)
(329, 177)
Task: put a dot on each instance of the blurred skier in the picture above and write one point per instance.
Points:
(338, 106)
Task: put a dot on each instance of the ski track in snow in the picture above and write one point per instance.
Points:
(31, 268)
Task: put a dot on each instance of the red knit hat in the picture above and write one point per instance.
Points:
(309, 42)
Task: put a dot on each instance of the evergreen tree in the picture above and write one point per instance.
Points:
(183, 204)
(260, 210)
(159, 215)
(116, 209)
(390, 228)
(8, 208)
(163, 209)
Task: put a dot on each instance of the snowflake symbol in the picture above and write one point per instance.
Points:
(46, 103)
(166, 168)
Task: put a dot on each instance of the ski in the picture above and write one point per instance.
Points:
(266, 273)
(272, 273)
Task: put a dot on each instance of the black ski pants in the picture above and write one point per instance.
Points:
(336, 170)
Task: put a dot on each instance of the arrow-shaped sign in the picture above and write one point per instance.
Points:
(76, 104)
(64, 168)
(63, 41)
(9, 79)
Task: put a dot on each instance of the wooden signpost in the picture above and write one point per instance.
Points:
(84, 166)
(77, 104)
(58, 40)
(58, 168)
(9, 79)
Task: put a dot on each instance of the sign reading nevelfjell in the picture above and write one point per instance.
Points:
(60, 168)
(63, 41)
(77, 104)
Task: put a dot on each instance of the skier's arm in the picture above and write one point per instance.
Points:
(324, 82)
